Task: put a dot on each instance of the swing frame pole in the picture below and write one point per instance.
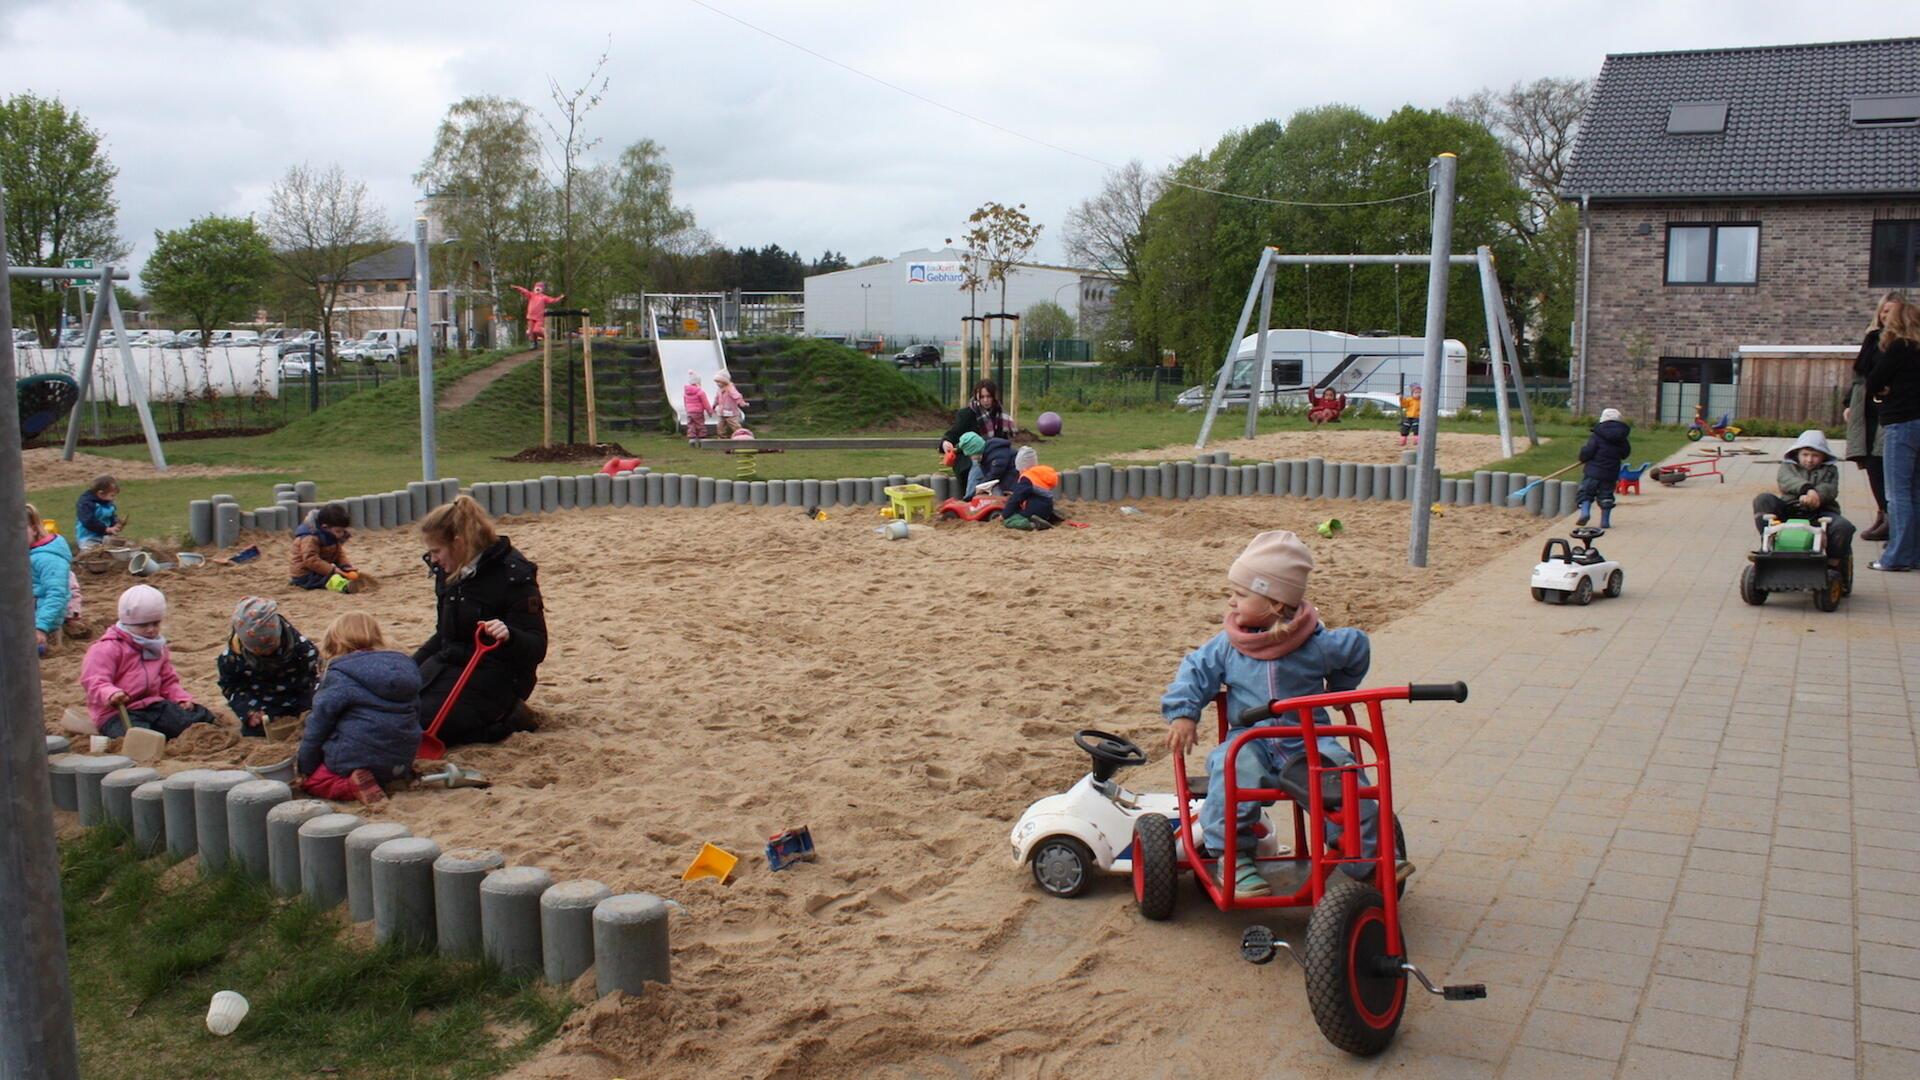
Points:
(1260, 273)
(1425, 472)
(1496, 360)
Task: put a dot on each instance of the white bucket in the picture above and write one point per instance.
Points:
(225, 1012)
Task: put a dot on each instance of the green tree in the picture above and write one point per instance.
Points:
(213, 271)
(60, 203)
(485, 167)
(998, 238)
(1046, 320)
(319, 223)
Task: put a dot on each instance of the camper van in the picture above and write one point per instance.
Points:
(1351, 364)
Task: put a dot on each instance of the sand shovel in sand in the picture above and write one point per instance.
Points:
(431, 748)
(453, 776)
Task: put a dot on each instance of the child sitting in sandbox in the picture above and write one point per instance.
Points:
(269, 669)
(364, 728)
(1273, 647)
(129, 677)
(320, 550)
(1030, 500)
(992, 461)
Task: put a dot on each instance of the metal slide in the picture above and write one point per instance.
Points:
(703, 356)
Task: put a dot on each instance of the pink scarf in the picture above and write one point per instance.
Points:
(1262, 644)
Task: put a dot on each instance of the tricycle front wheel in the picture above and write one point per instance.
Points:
(1153, 866)
(1354, 985)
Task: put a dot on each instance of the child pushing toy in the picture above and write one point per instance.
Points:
(1607, 449)
(129, 672)
(364, 728)
(1272, 647)
(1809, 483)
(269, 669)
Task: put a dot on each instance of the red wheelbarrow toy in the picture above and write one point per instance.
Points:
(1355, 955)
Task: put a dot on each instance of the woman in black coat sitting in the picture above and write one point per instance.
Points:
(479, 580)
(982, 416)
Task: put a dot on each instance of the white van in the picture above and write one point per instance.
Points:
(1349, 363)
(397, 340)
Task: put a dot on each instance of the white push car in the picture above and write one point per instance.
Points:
(1566, 572)
(1088, 829)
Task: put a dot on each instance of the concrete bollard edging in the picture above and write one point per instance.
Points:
(359, 849)
(248, 805)
(150, 817)
(283, 841)
(456, 898)
(210, 817)
(88, 772)
(402, 881)
(566, 928)
(510, 918)
(630, 943)
(323, 858)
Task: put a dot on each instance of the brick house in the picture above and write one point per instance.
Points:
(1742, 212)
(378, 293)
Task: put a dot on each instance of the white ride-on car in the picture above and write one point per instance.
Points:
(1088, 829)
(1566, 572)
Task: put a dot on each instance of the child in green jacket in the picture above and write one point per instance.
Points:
(1809, 481)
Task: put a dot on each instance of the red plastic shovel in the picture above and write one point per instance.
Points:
(431, 748)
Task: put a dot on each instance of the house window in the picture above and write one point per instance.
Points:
(1713, 254)
(1895, 262)
(392, 286)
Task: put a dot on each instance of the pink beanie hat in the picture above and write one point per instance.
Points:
(1275, 565)
(142, 604)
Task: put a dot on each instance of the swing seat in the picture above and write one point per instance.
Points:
(43, 400)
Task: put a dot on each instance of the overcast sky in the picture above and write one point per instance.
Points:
(204, 103)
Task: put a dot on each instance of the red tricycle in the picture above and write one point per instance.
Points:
(1723, 429)
(1355, 956)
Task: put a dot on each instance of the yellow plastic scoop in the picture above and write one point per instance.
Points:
(712, 862)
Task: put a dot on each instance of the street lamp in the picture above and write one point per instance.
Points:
(865, 327)
(1054, 345)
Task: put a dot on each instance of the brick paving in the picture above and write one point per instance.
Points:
(1675, 835)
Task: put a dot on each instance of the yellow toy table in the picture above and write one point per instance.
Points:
(906, 499)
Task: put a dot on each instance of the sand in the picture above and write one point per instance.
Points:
(724, 674)
(44, 469)
(1457, 450)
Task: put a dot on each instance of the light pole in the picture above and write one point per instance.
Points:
(1053, 346)
(865, 327)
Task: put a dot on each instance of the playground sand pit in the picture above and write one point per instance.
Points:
(44, 469)
(1457, 450)
(721, 675)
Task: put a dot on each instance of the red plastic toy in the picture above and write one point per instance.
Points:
(978, 508)
(616, 466)
(1723, 429)
(1325, 408)
(1355, 956)
(431, 748)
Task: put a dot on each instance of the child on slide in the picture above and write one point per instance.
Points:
(1272, 647)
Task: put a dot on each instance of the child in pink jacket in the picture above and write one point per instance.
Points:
(131, 668)
(698, 406)
(728, 405)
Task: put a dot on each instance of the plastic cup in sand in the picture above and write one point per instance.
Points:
(98, 744)
(225, 1012)
(1328, 528)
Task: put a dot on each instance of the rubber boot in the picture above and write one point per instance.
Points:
(1878, 530)
(1606, 517)
(1586, 512)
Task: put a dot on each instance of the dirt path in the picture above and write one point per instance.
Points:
(470, 386)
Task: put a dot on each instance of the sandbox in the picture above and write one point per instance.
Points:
(722, 674)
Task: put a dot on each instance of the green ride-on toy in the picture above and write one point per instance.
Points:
(1792, 557)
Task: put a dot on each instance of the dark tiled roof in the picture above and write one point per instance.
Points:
(1788, 130)
(395, 263)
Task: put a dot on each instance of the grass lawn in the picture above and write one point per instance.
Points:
(370, 442)
(147, 950)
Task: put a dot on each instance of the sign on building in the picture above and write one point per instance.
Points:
(936, 273)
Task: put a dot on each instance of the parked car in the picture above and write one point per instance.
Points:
(918, 356)
(369, 349)
(305, 339)
(300, 364)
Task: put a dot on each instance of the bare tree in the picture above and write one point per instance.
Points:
(567, 132)
(998, 237)
(1536, 123)
(1104, 230)
(320, 223)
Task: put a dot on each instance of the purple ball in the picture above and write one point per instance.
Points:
(1049, 423)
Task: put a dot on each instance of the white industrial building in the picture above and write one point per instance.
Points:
(917, 296)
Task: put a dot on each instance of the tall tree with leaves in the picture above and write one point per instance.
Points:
(485, 166)
(60, 202)
(1105, 232)
(213, 271)
(628, 220)
(320, 222)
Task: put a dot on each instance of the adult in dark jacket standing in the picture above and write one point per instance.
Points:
(1894, 386)
(479, 580)
(981, 416)
(1606, 450)
(1864, 439)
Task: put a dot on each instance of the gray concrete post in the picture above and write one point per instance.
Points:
(402, 878)
(1382, 481)
(248, 805)
(757, 493)
(1482, 487)
(809, 493)
(1501, 487)
(1449, 492)
(283, 841)
(116, 793)
(862, 491)
(630, 943)
(226, 525)
(183, 838)
(1316, 477)
(703, 489)
(603, 490)
(568, 492)
(723, 492)
(1216, 480)
(210, 818)
(1362, 482)
(637, 489)
(149, 817)
(307, 490)
(619, 491)
(1536, 497)
(1182, 480)
(796, 494)
(1069, 487)
(58, 744)
(456, 898)
(514, 495)
(1150, 482)
(845, 491)
(549, 494)
(1169, 479)
(1265, 477)
(1103, 481)
(942, 486)
(566, 928)
(1569, 495)
(1229, 479)
(670, 493)
(829, 493)
(1550, 500)
(510, 918)
(60, 775)
(654, 488)
(200, 521)
(390, 511)
(323, 858)
(87, 774)
(359, 848)
(1349, 479)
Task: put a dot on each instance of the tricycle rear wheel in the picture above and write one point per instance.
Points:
(1153, 866)
(1356, 989)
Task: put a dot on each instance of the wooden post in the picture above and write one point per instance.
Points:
(586, 354)
(1013, 395)
(546, 387)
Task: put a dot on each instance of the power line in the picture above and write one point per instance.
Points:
(1003, 129)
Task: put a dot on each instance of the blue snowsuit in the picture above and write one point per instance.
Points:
(1327, 662)
(994, 463)
(51, 564)
(365, 716)
(92, 517)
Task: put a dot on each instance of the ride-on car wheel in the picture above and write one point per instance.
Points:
(1153, 869)
(1616, 582)
(1539, 594)
(1750, 586)
(948, 515)
(1356, 989)
(1583, 593)
(1846, 576)
(1827, 597)
(1062, 866)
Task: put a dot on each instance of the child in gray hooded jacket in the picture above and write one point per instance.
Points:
(1809, 482)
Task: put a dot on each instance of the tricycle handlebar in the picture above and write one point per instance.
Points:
(1453, 691)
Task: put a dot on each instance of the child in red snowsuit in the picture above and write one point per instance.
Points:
(537, 302)
(698, 405)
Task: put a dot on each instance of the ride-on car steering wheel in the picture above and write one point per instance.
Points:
(1110, 753)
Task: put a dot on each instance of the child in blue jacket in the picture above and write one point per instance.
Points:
(94, 516)
(364, 728)
(51, 564)
(1273, 647)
